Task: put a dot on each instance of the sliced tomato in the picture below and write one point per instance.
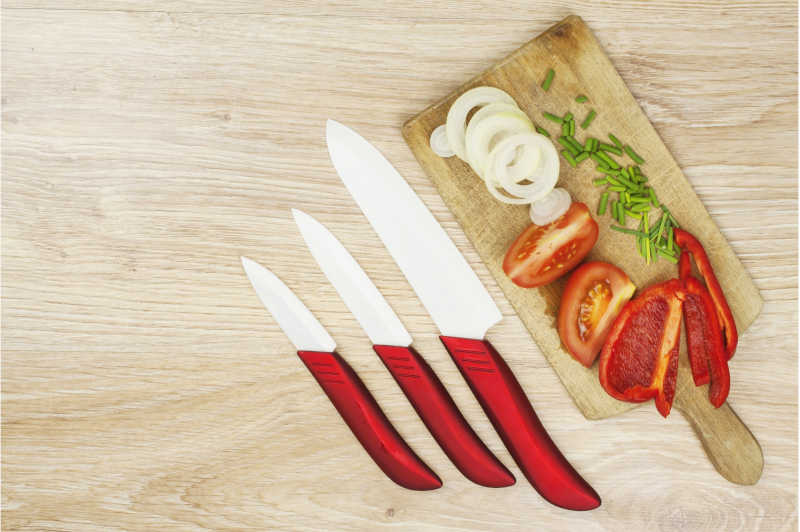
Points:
(543, 253)
(592, 299)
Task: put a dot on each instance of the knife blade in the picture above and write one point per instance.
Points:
(461, 308)
(392, 343)
(340, 383)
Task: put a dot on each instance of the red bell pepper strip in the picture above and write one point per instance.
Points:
(690, 244)
(704, 340)
(694, 322)
(639, 360)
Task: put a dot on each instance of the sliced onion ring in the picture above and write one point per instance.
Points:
(542, 179)
(439, 143)
(457, 115)
(483, 135)
(551, 207)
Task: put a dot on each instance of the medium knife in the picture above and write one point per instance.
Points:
(461, 308)
(343, 387)
(392, 343)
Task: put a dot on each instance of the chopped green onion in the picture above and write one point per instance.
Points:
(647, 245)
(581, 98)
(645, 221)
(548, 79)
(670, 240)
(571, 126)
(627, 197)
(640, 207)
(565, 128)
(633, 155)
(616, 188)
(542, 131)
(552, 117)
(662, 225)
(601, 209)
(615, 140)
(637, 199)
(608, 147)
(567, 117)
(628, 231)
(588, 120)
(625, 181)
(581, 156)
(570, 159)
(600, 180)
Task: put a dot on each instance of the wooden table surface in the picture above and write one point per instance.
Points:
(148, 144)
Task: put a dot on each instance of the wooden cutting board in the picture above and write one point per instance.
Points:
(582, 67)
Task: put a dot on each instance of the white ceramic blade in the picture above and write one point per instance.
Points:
(294, 318)
(448, 288)
(357, 291)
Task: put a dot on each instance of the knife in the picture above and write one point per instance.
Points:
(343, 387)
(392, 343)
(461, 308)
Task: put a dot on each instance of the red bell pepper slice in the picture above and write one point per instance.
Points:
(639, 360)
(689, 244)
(704, 340)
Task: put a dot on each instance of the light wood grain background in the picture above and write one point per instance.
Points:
(147, 145)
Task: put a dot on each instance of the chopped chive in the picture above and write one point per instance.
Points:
(628, 231)
(570, 159)
(662, 225)
(637, 199)
(672, 258)
(565, 128)
(640, 207)
(615, 140)
(608, 160)
(608, 147)
(613, 181)
(599, 181)
(581, 98)
(581, 156)
(632, 214)
(570, 148)
(577, 145)
(596, 157)
(542, 131)
(653, 198)
(610, 171)
(627, 182)
(670, 240)
(647, 251)
(567, 117)
(616, 188)
(627, 197)
(633, 155)
(548, 80)
(646, 222)
(571, 126)
(552, 117)
(601, 209)
(588, 120)
(639, 245)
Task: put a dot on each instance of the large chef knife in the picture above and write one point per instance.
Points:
(392, 343)
(344, 388)
(461, 308)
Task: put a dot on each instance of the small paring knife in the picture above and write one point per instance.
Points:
(392, 343)
(461, 308)
(343, 387)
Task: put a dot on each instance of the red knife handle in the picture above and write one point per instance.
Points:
(440, 414)
(368, 422)
(512, 415)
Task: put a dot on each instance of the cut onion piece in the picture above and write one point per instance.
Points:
(486, 131)
(439, 143)
(541, 179)
(457, 115)
(551, 207)
(505, 198)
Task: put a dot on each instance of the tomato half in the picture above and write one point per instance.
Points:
(543, 253)
(591, 301)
